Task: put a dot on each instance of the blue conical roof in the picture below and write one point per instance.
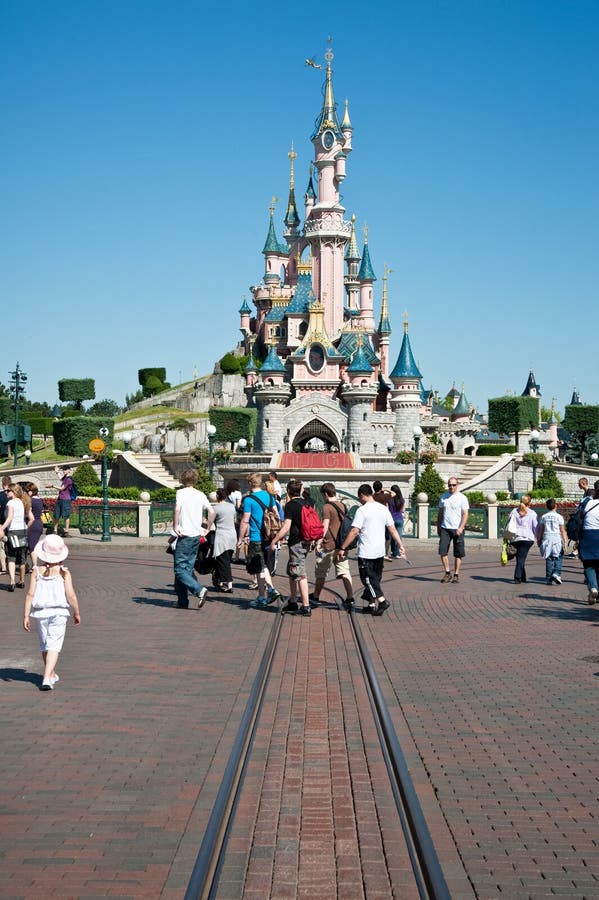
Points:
(366, 272)
(310, 192)
(360, 362)
(462, 407)
(303, 296)
(272, 244)
(245, 307)
(406, 367)
(272, 363)
(348, 344)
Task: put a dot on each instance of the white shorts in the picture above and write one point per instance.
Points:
(51, 630)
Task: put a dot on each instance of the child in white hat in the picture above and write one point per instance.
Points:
(49, 601)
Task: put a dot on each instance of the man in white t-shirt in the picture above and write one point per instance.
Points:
(188, 525)
(451, 523)
(369, 524)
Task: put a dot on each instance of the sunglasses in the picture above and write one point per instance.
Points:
(452, 483)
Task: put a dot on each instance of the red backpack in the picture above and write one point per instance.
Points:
(312, 529)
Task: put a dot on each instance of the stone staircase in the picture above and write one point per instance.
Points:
(151, 465)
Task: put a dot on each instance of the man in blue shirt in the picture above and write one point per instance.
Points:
(252, 514)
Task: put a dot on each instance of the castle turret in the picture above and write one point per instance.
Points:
(532, 389)
(275, 254)
(461, 411)
(384, 329)
(366, 277)
(245, 313)
(271, 394)
(359, 396)
(405, 397)
(352, 283)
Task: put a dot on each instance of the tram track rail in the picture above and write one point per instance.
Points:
(428, 874)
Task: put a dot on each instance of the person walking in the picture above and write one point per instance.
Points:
(252, 518)
(3, 502)
(588, 546)
(369, 524)
(62, 510)
(523, 525)
(298, 550)
(452, 518)
(188, 526)
(396, 504)
(225, 541)
(49, 601)
(234, 496)
(14, 528)
(551, 537)
(35, 528)
(327, 554)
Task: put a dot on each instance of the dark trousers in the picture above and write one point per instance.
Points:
(522, 548)
(222, 567)
(371, 572)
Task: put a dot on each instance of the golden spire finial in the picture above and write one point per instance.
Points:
(405, 321)
(292, 156)
(273, 201)
(386, 272)
(365, 233)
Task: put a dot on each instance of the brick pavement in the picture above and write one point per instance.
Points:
(108, 782)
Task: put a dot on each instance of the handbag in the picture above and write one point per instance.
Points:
(511, 550)
(46, 517)
(17, 540)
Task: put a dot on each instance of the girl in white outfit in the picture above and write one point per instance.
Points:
(49, 601)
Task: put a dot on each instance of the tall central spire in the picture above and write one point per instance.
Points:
(328, 114)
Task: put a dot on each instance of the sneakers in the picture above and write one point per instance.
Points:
(47, 684)
(54, 679)
(290, 607)
(253, 585)
(455, 579)
(314, 600)
(348, 603)
(273, 595)
(259, 603)
(304, 611)
(202, 597)
(380, 608)
(556, 579)
(446, 578)
(593, 596)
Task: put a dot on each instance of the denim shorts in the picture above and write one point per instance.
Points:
(62, 510)
(449, 536)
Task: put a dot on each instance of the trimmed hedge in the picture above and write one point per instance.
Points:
(72, 436)
(75, 390)
(234, 423)
(495, 449)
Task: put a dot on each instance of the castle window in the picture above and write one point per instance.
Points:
(316, 357)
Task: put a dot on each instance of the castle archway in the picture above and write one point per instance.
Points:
(315, 430)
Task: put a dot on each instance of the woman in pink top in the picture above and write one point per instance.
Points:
(523, 524)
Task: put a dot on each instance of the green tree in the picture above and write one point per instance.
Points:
(582, 420)
(76, 390)
(104, 408)
(511, 415)
(230, 364)
(548, 483)
(431, 483)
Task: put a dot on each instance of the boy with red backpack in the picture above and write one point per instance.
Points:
(304, 528)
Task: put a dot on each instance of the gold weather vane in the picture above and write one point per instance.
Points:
(273, 201)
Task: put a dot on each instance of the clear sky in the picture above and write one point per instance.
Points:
(142, 142)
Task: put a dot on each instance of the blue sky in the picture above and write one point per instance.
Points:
(142, 143)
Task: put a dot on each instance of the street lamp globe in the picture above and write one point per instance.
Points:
(126, 438)
(594, 457)
(27, 456)
(242, 444)
(417, 431)
(390, 445)
(211, 429)
(534, 435)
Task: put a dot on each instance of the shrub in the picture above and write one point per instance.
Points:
(549, 483)
(534, 459)
(495, 449)
(76, 390)
(234, 423)
(431, 483)
(475, 498)
(502, 495)
(231, 364)
(163, 495)
(85, 478)
(429, 456)
(405, 457)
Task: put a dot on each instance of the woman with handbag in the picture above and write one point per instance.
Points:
(14, 528)
(35, 529)
(523, 525)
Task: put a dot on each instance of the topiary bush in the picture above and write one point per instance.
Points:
(431, 483)
(72, 435)
(85, 479)
(495, 449)
(548, 482)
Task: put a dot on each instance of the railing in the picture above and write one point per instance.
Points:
(161, 518)
(477, 527)
(124, 519)
(564, 507)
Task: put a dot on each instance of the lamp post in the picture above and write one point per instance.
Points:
(18, 379)
(594, 458)
(417, 432)
(103, 432)
(390, 445)
(211, 429)
(242, 444)
(534, 443)
(27, 456)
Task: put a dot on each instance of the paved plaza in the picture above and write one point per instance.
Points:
(108, 781)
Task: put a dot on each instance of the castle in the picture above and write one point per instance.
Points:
(324, 381)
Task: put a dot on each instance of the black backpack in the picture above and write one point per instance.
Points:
(575, 523)
(346, 517)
